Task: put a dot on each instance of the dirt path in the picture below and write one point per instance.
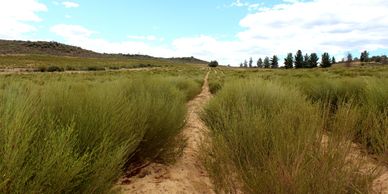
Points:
(357, 156)
(380, 184)
(187, 175)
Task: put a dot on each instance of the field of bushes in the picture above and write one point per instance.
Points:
(291, 131)
(270, 131)
(78, 133)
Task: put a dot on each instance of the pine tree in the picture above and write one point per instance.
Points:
(274, 62)
(313, 61)
(299, 59)
(260, 63)
(333, 60)
(349, 60)
(266, 62)
(289, 61)
(306, 60)
(364, 56)
(250, 62)
(326, 62)
(245, 64)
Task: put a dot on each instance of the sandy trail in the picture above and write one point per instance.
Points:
(380, 184)
(187, 175)
(357, 156)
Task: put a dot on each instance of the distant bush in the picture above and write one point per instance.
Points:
(41, 69)
(95, 68)
(49, 69)
(70, 68)
(142, 65)
(54, 69)
(213, 64)
(114, 67)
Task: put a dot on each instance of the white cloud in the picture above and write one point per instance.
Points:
(15, 15)
(148, 37)
(320, 25)
(81, 36)
(316, 26)
(70, 4)
(250, 6)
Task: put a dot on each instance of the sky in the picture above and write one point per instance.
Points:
(229, 31)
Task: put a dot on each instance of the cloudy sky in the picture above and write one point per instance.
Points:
(226, 30)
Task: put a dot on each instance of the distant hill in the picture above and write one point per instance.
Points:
(16, 47)
(44, 48)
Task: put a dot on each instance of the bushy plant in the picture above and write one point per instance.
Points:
(76, 137)
(266, 138)
(213, 64)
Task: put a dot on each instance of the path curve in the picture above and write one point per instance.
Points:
(187, 175)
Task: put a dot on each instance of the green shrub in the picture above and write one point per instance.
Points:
(189, 87)
(213, 64)
(54, 69)
(41, 69)
(266, 138)
(214, 86)
(95, 68)
(76, 137)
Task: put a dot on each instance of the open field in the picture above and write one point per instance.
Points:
(263, 131)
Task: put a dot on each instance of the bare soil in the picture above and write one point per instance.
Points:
(380, 184)
(187, 175)
(368, 164)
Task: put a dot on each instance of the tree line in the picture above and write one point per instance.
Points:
(364, 58)
(309, 60)
(291, 61)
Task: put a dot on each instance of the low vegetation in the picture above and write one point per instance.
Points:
(269, 137)
(282, 131)
(78, 133)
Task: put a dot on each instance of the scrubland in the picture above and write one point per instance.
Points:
(293, 131)
(269, 131)
(78, 133)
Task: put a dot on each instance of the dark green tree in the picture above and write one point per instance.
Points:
(364, 56)
(333, 60)
(299, 59)
(213, 64)
(349, 60)
(326, 62)
(266, 62)
(313, 61)
(274, 62)
(260, 63)
(289, 61)
(306, 60)
(250, 62)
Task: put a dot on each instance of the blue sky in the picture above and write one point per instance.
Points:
(226, 30)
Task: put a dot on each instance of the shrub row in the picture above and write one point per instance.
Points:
(268, 138)
(76, 137)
